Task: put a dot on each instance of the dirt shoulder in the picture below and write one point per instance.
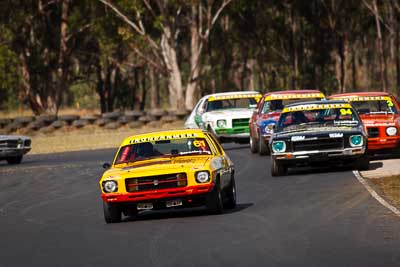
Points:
(384, 176)
(90, 137)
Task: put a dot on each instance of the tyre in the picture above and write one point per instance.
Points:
(14, 160)
(214, 200)
(362, 164)
(231, 195)
(253, 145)
(277, 168)
(112, 213)
(263, 148)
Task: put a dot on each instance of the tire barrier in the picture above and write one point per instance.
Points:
(69, 119)
(132, 119)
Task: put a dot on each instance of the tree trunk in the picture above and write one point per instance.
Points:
(33, 99)
(353, 69)
(397, 59)
(175, 87)
(62, 72)
(195, 52)
(343, 62)
(243, 77)
(143, 98)
(135, 87)
(340, 63)
(382, 63)
(154, 90)
(295, 54)
(100, 88)
(109, 87)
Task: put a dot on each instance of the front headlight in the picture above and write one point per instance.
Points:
(110, 186)
(391, 131)
(269, 129)
(356, 140)
(278, 146)
(221, 123)
(202, 176)
(19, 143)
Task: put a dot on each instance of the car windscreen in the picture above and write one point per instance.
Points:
(278, 104)
(231, 103)
(163, 148)
(375, 107)
(329, 117)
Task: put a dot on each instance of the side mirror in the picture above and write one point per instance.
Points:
(106, 165)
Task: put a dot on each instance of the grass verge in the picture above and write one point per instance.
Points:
(90, 138)
(390, 187)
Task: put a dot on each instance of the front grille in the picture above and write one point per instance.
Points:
(9, 143)
(318, 144)
(240, 122)
(166, 181)
(373, 132)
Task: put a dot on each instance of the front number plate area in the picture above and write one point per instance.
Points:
(145, 206)
(173, 203)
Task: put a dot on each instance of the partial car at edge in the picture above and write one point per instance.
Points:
(379, 112)
(14, 147)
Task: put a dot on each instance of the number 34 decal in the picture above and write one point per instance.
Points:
(344, 111)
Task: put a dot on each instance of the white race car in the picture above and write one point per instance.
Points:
(226, 115)
(14, 147)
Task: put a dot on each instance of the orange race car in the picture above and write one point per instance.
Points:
(379, 112)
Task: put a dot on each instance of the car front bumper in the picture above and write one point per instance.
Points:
(309, 157)
(239, 132)
(156, 195)
(13, 152)
(379, 143)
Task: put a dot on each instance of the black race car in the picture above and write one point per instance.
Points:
(318, 133)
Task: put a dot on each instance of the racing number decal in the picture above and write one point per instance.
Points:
(345, 111)
(199, 143)
(389, 102)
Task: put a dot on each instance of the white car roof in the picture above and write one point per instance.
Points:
(231, 93)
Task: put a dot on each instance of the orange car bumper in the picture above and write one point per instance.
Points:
(383, 143)
(158, 194)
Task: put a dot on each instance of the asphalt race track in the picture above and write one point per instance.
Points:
(51, 215)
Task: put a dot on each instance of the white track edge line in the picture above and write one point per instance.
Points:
(374, 194)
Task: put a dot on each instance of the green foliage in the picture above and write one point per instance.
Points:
(269, 44)
(84, 96)
(9, 79)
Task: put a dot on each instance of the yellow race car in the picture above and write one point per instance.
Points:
(170, 169)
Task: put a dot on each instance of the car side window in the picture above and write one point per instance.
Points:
(266, 107)
(203, 107)
(199, 107)
(212, 145)
(216, 144)
(260, 104)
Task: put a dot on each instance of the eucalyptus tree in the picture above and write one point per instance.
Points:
(159, 26)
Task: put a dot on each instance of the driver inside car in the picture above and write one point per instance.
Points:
(146, 150)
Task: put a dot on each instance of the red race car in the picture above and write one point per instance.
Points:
(379, 112)
(266, 115)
